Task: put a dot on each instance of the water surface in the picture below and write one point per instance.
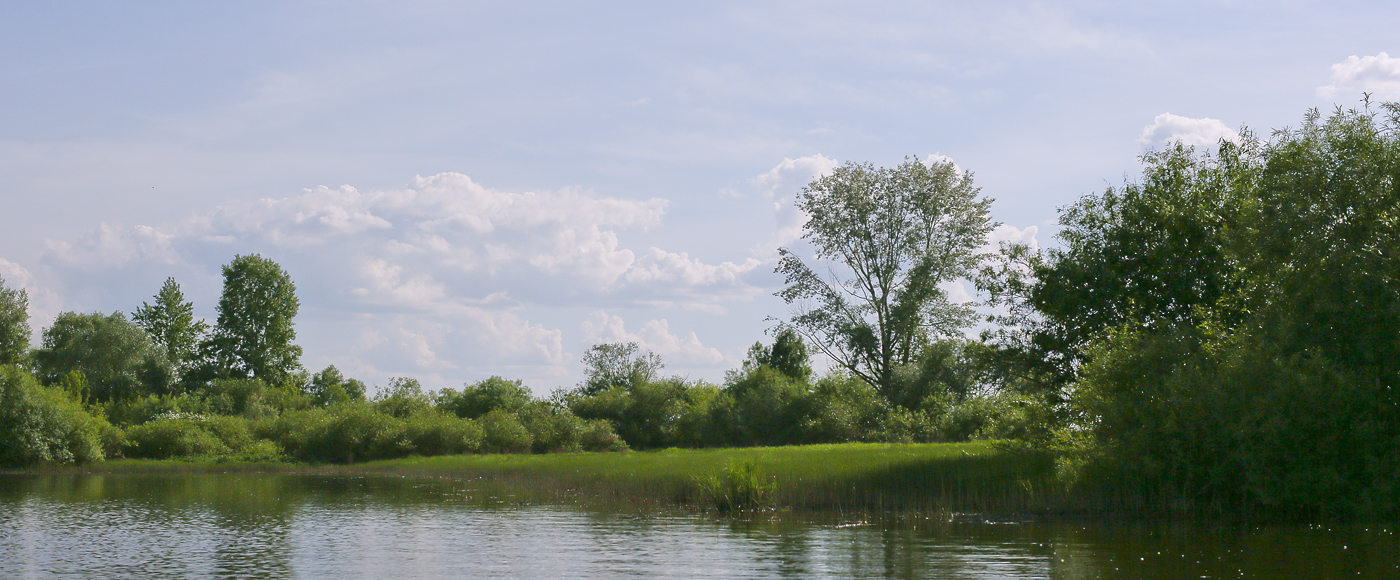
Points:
(292, 526)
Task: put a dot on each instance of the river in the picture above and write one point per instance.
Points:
(300, 526)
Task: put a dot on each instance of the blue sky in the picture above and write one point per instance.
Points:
(468, 189)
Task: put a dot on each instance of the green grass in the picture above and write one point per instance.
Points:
(943, 477)
(979, 476)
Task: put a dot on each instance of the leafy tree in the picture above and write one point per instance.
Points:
(404, 398)
(1278, 393)
(172, 324)
(254, 333)
(485, 396)
(889, 237)
(329, 387)
(787, 355)
(116, 357)
(1150, 251)
(14, 325)
(618, 364)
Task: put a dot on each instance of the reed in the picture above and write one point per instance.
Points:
(982, 477)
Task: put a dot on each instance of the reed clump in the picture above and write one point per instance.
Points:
(739, 487)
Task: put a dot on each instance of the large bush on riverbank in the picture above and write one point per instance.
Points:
(40, 424)
(1245, 352)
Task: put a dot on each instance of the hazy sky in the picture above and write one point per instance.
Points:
(462, 189)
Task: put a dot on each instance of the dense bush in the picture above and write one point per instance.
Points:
(443, 434)
(173, 437)
(504, 433)
(39, 424)
(340, 434)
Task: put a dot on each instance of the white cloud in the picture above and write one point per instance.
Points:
(941, 158)
(780, 185)
(1167, 128)
(44, 303)
(435, 277)
(1012, 234)
(654, 336)
(1378, 75)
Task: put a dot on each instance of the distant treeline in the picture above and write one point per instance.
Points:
(1222, 336)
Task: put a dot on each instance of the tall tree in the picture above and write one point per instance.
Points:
(14, 325)
(254, 333)
(618, 364)
(1155, 251)
(172, 325)
(888, 237)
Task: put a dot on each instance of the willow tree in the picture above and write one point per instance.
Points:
(883, 241)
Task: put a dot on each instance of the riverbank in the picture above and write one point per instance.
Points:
(935, 477)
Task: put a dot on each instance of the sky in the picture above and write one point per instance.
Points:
(461, 190)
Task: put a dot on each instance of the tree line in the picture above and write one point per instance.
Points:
(1221, 334)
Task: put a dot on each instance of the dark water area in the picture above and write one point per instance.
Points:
(294, 526)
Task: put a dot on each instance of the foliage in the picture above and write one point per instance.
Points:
(504, 433)
(485, 396)
(767, 407)
(1151, 251)
(443, 434)
(14, 325)
(787, 355)
(172, 325)
(137, 410)
(40, 424)
(1276, 395)
(404, 398)
(254, 333)
(341, 434)
(890, 236)
(613, 365)
(329, 387)
(115, 356)
(173, 437)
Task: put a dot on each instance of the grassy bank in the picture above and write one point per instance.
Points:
(978, 476)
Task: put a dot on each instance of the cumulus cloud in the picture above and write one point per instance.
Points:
(780, 185)
(1013, 235)
(941, 158)
(655, 336)
(44, 303)
(436, 277)
(1167, 128)
(1378, 75)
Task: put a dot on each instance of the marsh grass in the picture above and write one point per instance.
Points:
(738, 487)
(984, 477)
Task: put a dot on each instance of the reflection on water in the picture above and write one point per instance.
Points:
(283, 526)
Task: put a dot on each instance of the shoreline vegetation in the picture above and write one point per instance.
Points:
(1220, 340)
(976, 477)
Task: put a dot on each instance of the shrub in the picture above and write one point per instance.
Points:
(344, 434)
(504, 433)
(145, 409)
(40, 424)
(403, 399)
(443, 434)
(598, 435)
(173, 437)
